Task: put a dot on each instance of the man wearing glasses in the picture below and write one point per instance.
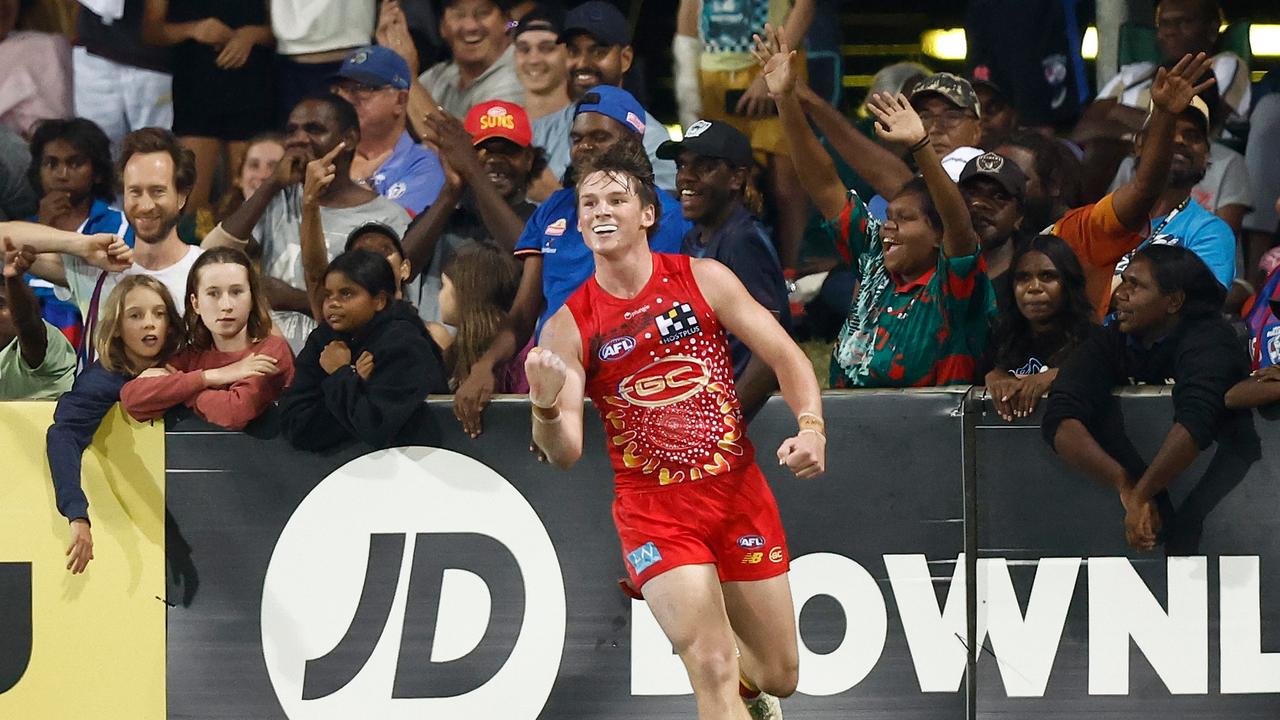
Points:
(948, 108)
(375, 80)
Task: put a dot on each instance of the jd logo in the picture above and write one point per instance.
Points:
(15, 622)
(413, 582)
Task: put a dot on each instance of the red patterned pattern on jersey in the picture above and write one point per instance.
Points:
(658, 370)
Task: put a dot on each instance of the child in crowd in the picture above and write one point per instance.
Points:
(256, 165)
(366, 370)
(382, 239)
(233, 368)
(1046, 315)
(477, 287)
(140, 329)
(37, 361)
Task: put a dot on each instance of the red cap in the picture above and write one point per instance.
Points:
(496, 118)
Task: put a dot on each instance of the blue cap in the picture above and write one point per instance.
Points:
(613, 102)
(601, 20)
(376, 66)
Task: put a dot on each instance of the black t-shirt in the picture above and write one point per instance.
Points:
(743, 246)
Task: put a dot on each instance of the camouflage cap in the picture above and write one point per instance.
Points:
(953, 88)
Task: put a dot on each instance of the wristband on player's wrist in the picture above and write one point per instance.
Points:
(534, 403)
(810, 421)
(539, 417)
(548, 414)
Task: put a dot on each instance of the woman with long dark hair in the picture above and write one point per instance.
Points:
(1046, 315)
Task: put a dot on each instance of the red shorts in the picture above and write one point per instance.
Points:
(731, 521)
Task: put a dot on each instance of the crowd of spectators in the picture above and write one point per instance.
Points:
(345, 206)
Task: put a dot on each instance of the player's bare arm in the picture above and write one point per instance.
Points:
(556, 382)
(805, 453)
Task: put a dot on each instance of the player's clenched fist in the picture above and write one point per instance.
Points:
(805, 454)
(546, 373)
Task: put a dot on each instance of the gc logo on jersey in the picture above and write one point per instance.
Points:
(677, 323)
(665, 381)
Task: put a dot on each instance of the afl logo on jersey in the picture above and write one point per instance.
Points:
(665, 381)
(616, 348)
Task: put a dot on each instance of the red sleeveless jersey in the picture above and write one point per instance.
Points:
(658, 370)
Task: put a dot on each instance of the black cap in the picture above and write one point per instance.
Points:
(1000, 169)
(600, 19)
(711, 138)
(542, 17)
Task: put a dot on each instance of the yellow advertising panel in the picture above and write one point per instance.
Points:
(90, 645)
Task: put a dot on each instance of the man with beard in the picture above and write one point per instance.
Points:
(713, 166)
(556, 260)
(157, 173)
(269, 223)
(994, 189)
(1155, 206)
(483, 202)
(599, 43)
(375, 81)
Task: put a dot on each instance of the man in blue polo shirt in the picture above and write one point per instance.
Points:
(375, 80)
(556, 260)
(713, 168)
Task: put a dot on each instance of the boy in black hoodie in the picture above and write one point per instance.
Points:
(367, 368)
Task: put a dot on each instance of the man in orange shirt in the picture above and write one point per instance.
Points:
(1104, 232)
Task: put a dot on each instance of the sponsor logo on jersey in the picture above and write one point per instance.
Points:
(633, 313)
(665, 381)
(750, 541)
(677, 323)
(617, 348)
(644, 557)
(754, 558)
(556, 229)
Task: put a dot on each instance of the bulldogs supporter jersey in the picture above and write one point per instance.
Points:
(659, 372)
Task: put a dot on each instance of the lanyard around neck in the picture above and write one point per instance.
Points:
(1172, 214)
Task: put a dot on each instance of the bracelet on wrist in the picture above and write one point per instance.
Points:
(554, 403)
(924, 142)
(814, 431)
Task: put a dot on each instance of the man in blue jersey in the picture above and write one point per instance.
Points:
(556, 261)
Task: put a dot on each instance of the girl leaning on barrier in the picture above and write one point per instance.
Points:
(367, 368)
(232, 368)
(1045, 315)
(140, 329)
